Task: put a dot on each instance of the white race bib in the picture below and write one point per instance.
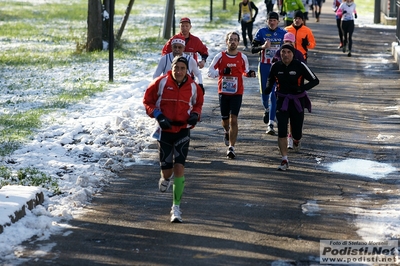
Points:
(290, 15)
(229, 84)
(271, 52)
(246, 17)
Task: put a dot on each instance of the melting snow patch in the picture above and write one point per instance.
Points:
(384, 137)
(378, 224)
(361, 167)
(310, 208)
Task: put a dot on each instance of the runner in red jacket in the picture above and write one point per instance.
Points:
(193, 44)
(230, 66)
(176, 101)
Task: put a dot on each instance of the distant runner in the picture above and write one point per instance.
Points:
(193, 44)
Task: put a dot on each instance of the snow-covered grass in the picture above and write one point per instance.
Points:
(44, 66)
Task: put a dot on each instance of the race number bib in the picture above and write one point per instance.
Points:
(229, 84)
(246, 17)
(347, 16)
(271, 52)
(290, 15)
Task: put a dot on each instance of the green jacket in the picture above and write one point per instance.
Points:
(290, 7)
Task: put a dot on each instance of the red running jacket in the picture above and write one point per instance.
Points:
(193, 46)
(175, 102)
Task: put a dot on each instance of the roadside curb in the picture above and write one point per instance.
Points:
(14, 200)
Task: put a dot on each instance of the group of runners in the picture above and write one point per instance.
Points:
(175, 97)
(281, 78)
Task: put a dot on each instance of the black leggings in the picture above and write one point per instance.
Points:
(247, 27)
(348, 29)
(270, 7)
(339, 26)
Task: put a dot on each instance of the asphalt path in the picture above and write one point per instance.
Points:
(244, 211)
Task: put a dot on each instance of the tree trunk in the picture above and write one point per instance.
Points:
(169, 14)
(94, 35)
(125, 19)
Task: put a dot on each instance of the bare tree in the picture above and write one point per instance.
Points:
(124, 20)
(95, 31)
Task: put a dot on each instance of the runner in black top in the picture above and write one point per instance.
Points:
(289, 75)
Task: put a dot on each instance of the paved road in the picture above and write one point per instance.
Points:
(244, 211)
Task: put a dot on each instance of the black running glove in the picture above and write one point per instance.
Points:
(227, 71)
(193, 119)
(304, 43)
(164, 122)
(355, 15)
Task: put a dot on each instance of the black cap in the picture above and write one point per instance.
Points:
(299, 14)
(180, 59)
(273, 15)
(288, 46)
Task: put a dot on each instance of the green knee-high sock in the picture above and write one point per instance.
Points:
(179, 184)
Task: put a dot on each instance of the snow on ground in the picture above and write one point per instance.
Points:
(115, 125)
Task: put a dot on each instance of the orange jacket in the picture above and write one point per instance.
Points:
(302, 33)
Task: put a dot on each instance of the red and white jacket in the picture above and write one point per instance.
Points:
(175, 102)
(193, 46)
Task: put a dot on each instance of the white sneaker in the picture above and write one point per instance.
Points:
(164, 184)
(290, 142)
(284, 165)
(231, 153)
(271, 130)
(176, 214)
(245, 48)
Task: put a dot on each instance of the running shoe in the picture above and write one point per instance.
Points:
(231, 153)
(349, 54)
(226, 138)
(296, 145)
(340, 46)
(290, 142)
(271, 130)
(164, 184)
(176, 214)
(284, 165)
(344, 48)
(266, 117)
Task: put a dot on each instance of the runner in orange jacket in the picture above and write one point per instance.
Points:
(304, 37)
